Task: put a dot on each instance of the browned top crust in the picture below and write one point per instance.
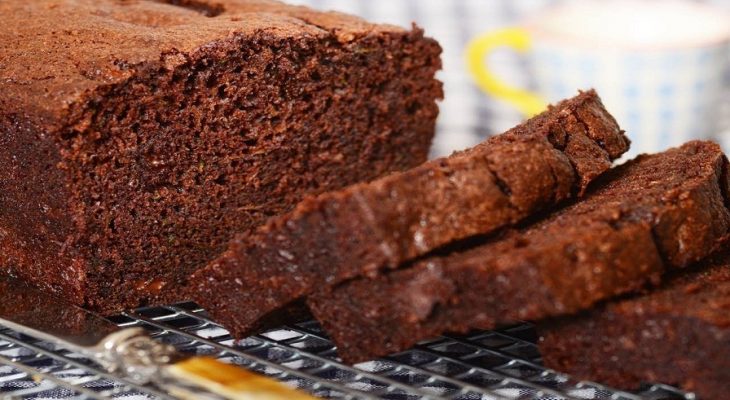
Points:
(54, 54)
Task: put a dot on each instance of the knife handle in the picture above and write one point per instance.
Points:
(226, 380)
(142, 359)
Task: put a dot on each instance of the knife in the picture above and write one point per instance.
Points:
(130, 352)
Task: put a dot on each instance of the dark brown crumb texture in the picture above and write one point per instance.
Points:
(381, 224)
(655, 212)
(677, 334)
(136, 136)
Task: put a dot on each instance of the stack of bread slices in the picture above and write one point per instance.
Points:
(533, 224)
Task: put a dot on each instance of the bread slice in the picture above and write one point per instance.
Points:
(372, 226)
(677, 334)
(655, 212)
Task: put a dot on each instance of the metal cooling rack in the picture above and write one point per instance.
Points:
(489, 365)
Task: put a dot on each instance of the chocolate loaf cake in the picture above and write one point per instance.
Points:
(677, 334)
(136, 136)
(653, 213)
(381, 224)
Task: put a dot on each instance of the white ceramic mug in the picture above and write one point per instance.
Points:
(660, 66)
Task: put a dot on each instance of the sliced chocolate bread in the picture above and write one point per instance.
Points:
(365, 228)
(655, 212)
(678, 334)
(137, 136)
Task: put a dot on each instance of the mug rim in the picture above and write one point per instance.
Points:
(534, 27)
(554, 37)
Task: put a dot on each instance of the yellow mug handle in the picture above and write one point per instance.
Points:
(527, 102)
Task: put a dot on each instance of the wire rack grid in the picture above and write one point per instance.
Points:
(486, 365)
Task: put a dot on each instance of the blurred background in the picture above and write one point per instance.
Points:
(661, 66)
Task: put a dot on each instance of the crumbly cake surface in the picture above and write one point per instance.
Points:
(676, 334)
(137, 135)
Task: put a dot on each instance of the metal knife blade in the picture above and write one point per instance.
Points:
(129, 351)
